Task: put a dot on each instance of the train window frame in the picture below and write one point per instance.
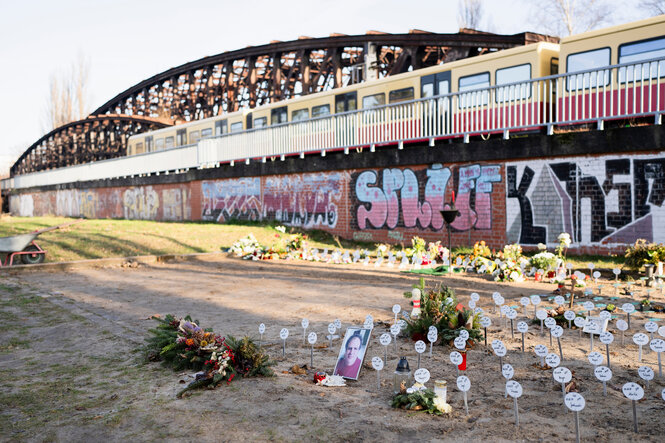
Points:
(159, 144)
(396, 92)
(346, 99)
(298, 115)
(221, 127)
(260, 122)
(194, 137)
(498, 96)
(206, 132)
(468, 92)
(378, 98)
(148, 143)
(236, 127)
(181, 137)
(168, 142)
(279, 115)
(139, 145)
(581, 53)
(316, 111)
(436, 80)
(621, 74)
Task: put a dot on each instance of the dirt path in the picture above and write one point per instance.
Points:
(72, 372)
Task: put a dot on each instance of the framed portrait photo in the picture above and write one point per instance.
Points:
(352, 353)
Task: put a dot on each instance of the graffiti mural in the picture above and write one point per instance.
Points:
(307, 200)
(601, 200)
(414, 199)
(140, 203)
(176, 205)
(22, 205)
(231, 199)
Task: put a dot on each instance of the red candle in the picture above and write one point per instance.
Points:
(462, 366)
(453, 197)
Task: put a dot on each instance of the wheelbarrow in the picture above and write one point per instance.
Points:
(23, 246)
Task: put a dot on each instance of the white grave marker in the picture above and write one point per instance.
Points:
(311, 338)
(595, 358)
(377, 364)
(604, 374)
(658, 346)
(575, 402)
(622, 326)
(524, 301)
(640, 339)
(464, 384)
(607, 338)
(646, 373)
(420, 348)
(563, 376)
(262, 329)
(304, 323)
(284, 334)
(570, 316)
(541, 315)
(552, 360)
(432, 335)
(633, 392)
(514, 389)
(522, 327)
(385, 341)
(541, 351)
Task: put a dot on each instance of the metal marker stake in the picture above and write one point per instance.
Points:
(558, 341)
(283, 348)
(541, 327)
(260, 340)
(418, 360)
(331, 341)
(311, 357)
(577, 426)
(517, 414)
(522, 341)
(485, 336)
(458, 372)
(607, 352)
(581, 332)
(640, 358)
(386, 348)
(501, 364)
(395, 338)
(542, 362)
(430, 349)
(466, 405)
(570, 324)
(591, 341)
(604, 388)
(563, 391)
(512, 330)
(378, 378)
(621, 338)
(635, 416)
(628, 315)
(660, 368)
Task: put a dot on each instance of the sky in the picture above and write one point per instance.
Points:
(127, 41)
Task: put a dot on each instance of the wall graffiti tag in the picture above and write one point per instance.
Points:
(413, 199)
(608, 200)
(224, 200)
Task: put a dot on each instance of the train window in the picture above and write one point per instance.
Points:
(279, 115)
(148, 143)
(582, 61)
(181, 137)
(159, 144)
(236, 127)
(435, 84)
(638, 51)
(207, 132)
(221, 127)
(260, 122)
(194, 137)
(400, 95)
(554, 66)
(320, 111)
(346, 102)
(168, 142)
(300, 115)
(372, 101)
(514, 74)
(139, 148)
(471, 83)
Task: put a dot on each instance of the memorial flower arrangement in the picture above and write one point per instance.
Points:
(247, 247)
(419, 398)
(643, 252)
(564, 244)
(181, 344)
(544, 260)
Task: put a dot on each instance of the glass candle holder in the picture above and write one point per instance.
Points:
(441, 389)
(402, 376)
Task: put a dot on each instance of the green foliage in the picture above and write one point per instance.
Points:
(422, 400)
(250, 360)
(643, 252)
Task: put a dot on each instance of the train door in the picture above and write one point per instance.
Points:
(345, 125)
(437, 119)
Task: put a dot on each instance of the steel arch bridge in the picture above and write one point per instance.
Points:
(251, 77)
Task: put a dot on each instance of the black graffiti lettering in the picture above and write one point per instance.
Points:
(624, 214)
(529, 234)
(579, 186)
(645, 171)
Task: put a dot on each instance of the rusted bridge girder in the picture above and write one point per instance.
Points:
(251, 77)
(83, 141)
(258, 75)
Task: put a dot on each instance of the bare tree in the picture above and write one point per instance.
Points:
(68, 95)
(470, 14)
(567, 17)
(653, 7)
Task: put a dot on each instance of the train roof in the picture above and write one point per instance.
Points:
(659, 19)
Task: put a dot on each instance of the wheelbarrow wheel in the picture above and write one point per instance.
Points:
(32, 259)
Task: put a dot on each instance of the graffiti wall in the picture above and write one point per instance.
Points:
(605, 200)
(305, 200)
(413, 198)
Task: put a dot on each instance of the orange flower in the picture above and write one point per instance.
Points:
(189, 342)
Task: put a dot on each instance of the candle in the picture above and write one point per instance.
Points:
(441, 389)
(453, 197)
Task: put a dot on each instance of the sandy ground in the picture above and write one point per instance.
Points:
(82, 329)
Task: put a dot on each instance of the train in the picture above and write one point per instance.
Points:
(474, 96)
